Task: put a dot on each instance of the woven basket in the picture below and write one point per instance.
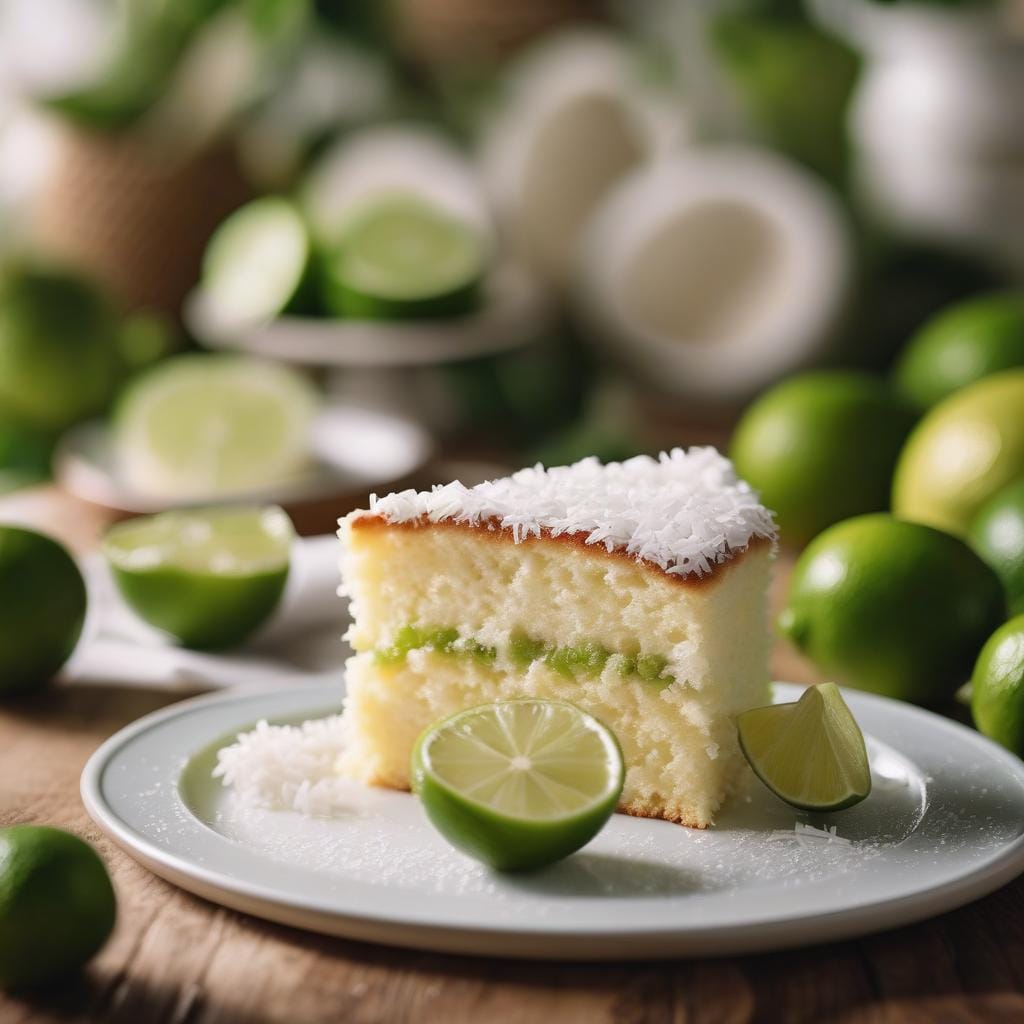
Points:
(440, 32)
(133, 218)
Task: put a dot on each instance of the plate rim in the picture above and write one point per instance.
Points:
(511, 940)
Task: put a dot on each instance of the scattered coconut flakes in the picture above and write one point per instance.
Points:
(809, 835)
(288, 767)
(684, 511)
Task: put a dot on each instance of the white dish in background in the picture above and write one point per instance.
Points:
(943, 826)
(300, 644)
(515, 311)
(357, 450)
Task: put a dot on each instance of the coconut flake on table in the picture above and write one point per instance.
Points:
(684, 511)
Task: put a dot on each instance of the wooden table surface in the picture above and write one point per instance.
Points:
(175, 959)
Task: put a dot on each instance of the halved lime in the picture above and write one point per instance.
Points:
(811, 753)
(401, 258)
(518, 784)
(200, 426)
(208, 577)
(257, 261)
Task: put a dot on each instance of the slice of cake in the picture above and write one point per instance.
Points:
(637, 590)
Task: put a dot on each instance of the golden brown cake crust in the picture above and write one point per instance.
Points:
(497, 534)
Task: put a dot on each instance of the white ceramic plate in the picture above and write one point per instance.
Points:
(356, 450)
(515, 312)
(943, 826)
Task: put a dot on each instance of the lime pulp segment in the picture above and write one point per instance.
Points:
(526, 759)
(810, 753)
(233, 541)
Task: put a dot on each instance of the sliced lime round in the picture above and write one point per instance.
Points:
(518, 784)
(208, 577)
(201, 426)
(403, 259)
(811, 753)
(257, 261)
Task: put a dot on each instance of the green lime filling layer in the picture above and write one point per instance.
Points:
(586, 658)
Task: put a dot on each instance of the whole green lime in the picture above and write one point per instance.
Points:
(59, 360)
(57, 906)
(961, 345)
(42, 608)
(997, 534)
(966, 450)
(891, 607)
(821, 447)
(997, 687)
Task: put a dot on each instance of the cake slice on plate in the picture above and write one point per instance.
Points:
(637, 590)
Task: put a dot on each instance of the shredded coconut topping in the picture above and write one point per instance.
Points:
(684, 511)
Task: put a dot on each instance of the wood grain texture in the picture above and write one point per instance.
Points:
(175, 959)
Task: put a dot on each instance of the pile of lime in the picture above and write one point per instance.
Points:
(208, 577)
(518, 784)
(398, 257)
(901, 603)
(57, 905)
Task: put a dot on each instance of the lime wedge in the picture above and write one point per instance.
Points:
(201, 426)
(403, 259)
(257, 262)
(209, 577)
(810, 754)
(518, 784)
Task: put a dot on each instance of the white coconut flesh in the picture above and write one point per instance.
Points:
(574, 121)
(714, 272)
(703, 276)
(578, 154)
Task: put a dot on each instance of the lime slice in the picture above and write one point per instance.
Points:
(202, 426)
(209, 577)
(403, 259)
(518, 784)
(257, 262)
(810, 754)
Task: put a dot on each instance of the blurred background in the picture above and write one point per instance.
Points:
(304, 250)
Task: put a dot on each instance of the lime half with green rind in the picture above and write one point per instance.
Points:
(518, 784)
(810, 753)
(257, 262)
(400, 258)
(208, 577)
